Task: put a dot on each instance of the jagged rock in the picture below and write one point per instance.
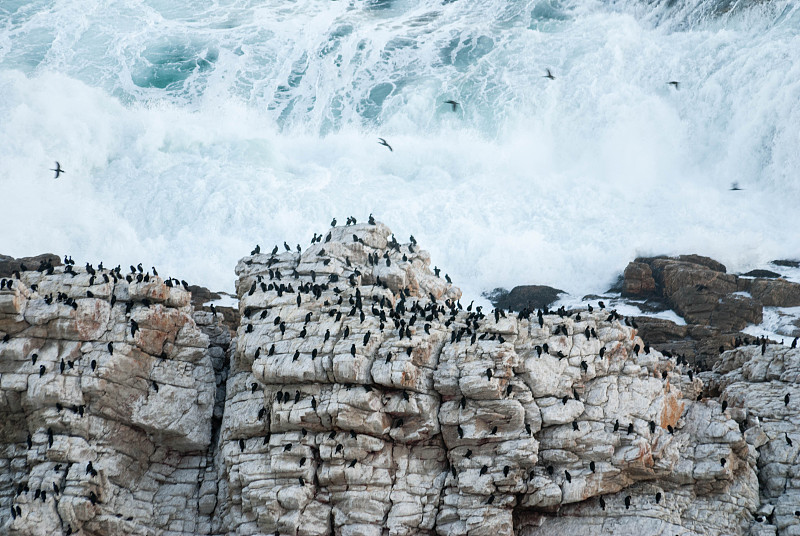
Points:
(492, 410)
(638, 280)
(761, 387)
(359, 397)
(525, 296)
(716, 305)
(772, 292)
(90, 398)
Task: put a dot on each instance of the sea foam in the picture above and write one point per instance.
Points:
(190, 133)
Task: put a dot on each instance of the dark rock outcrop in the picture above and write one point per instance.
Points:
(530, 296)
(715, 304)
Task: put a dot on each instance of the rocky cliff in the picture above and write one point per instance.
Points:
(360, 397)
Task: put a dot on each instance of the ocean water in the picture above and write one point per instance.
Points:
(192, 130)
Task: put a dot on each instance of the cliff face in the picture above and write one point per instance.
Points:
(359, 397)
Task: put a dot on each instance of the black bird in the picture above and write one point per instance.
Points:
(575, 426)
(484, 469)
(468, 454)
(616, 425)
(287, 447)
(50, 437)
(549, 75)
(786, 400)
(42, 370)
(110, 348)
(724, 405)
(658, 497)
(452, 103)
(58, 170)
(29, 440)
(506, 469)
(460, 432)
(723, 461)
(489, 374)
(592, 466)
(463, 402)
(155, 386)
(567, 476)
(385, 144)
(630, 428)
(490, 500)
(627, 502)
(353, 462)
(674, 83)
(602, 503)
(652, 425)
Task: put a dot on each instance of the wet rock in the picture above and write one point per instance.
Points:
(530, 296)
(638, 280)
(787, 263)
(773, 292)
(761, 273)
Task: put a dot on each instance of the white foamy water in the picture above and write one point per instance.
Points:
(190, 131)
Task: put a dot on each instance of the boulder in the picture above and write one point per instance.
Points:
(638, 280)
(525, 296)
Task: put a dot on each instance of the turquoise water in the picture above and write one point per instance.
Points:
(192, 130)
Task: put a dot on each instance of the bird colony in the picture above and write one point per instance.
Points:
(360, 396)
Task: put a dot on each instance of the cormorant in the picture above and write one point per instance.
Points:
(549, 75)
(58, 170)
(452, 103)
(385, 144)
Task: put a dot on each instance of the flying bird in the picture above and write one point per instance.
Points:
(735, 187)
(674, 83)
(385, 144)
(549, 75)
(58, 170)
(452, 103)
